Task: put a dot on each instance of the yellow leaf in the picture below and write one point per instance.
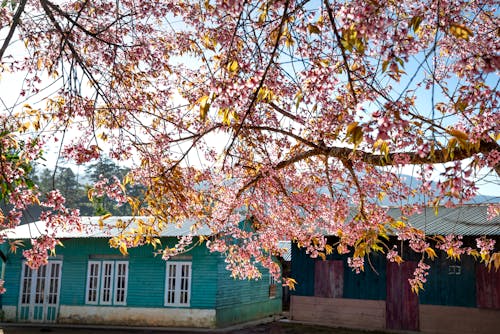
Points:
(39, 63)
(106, 216)
(313, 29)
(460, 31)
(430, 253)
(377, 248)
(204, 106)
(233, 66)
(460, 135)
(496, 260)
(328, 249)
(290, 282)
(398, 259)
(415, 23)
(322, 255)
(351, 127)
(123, 248)
(355, 133)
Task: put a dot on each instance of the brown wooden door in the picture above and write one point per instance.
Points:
(329, 279)
(401, 303)
(487, 287)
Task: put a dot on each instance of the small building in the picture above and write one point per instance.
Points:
(87, 282)
(458, 297)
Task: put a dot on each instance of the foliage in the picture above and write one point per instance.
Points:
(294, 113)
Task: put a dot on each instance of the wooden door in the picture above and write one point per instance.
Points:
(329, 279)
(402, 312)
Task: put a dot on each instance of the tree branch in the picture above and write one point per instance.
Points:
(15, 22)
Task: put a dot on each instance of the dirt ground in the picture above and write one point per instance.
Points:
(268, 328)
(293, 328)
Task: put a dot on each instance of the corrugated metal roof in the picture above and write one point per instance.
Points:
(92, 229)
(462, 220)
(286, 246)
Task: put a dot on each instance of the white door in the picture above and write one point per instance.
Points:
(39, 297)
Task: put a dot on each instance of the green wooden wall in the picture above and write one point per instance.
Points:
(211, 286)
(441, 287)
(244, 300)
(146, 279)
(365, 285)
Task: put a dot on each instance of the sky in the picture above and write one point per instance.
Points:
(10, 100)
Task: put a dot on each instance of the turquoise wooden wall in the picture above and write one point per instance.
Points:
(244, 300)
(211, 286)
(146, 279)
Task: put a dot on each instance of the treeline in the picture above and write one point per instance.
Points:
(75, 187)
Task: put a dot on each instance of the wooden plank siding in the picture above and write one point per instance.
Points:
(458, 320)
(401, 304)
(329, 279)
(445, 287)
(212, 288)
(146, 279)
(244, 300)
(339, 312)
(488, 287)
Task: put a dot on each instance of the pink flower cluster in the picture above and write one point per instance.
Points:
(37, 255)
(419, 276)
(485, 245)
(81, 154)
(392, 255)
(111, 188)
(356, 263)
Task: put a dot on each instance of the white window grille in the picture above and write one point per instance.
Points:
(178, 283)
(107, 282)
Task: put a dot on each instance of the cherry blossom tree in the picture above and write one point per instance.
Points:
(297, 117)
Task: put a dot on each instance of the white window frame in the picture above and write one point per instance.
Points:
(125, 283)
(46, 278)
(96, 279)
(107, 280)
(179, 280)
(107, 283)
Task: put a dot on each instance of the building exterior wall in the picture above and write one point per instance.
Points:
(216, 299)
(137, 316)
(450, 302)
(244, 300)
(145, 287)
(339, 312)
(457, 320)
(371, 315)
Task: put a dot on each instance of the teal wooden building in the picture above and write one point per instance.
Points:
(458, 297)
(87, 282)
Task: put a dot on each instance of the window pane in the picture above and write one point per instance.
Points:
(106, 283)
(178, 283)
(93, 282)
(40, 285)
(121, 282)
(26, 287)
